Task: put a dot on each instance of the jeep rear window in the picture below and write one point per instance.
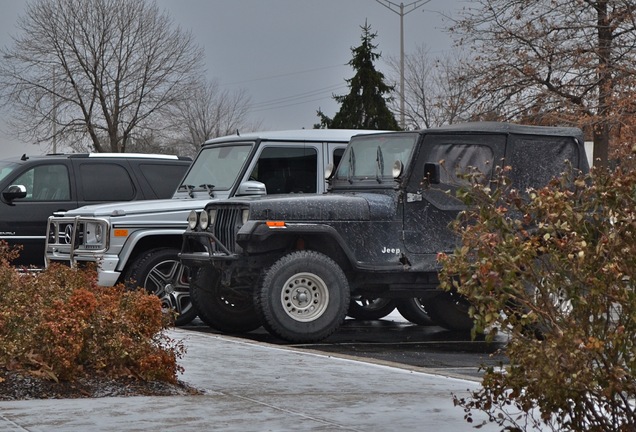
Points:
(373, 156)
(552, 151)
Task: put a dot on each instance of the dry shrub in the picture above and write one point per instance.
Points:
(554, 268)
(59, 324)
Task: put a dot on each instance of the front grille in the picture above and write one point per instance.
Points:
(226, 225)
(66, 235)
(62, 233)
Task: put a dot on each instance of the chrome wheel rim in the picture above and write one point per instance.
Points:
(169, 281)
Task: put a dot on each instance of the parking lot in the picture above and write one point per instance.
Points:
(395, 341)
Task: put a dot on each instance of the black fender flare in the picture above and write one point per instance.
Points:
(261, 233)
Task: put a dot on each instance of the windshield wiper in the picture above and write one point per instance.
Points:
(189, 188)
(209, 188)
(379, 169)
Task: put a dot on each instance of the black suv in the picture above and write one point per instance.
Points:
(293, 263)
(34, 187)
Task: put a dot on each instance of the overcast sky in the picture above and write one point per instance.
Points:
(290, 56)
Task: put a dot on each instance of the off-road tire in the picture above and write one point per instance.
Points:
(414, 310)
(365, 308)
(450, 310)
(304, 297)
(160, 272)
(222, 309)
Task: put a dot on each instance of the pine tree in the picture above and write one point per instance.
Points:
(365, 107)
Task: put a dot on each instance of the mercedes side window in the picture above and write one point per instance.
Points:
(337, 156)
(106, 182)
(46, 183)
(286, 170)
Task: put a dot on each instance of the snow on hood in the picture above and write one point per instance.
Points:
(139, 207)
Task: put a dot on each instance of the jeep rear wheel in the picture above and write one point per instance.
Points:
(160, 272)
(450, 310)
(364, 308)
(223, 309)
(414, 311)
(304, 297)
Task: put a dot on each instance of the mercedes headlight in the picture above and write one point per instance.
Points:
(94, 234)
(245, 215)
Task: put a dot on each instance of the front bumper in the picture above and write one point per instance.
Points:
(202, 248)
(107, 275)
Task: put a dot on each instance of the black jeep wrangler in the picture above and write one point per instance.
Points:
(293, 263)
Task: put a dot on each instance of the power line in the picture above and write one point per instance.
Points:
(285, 74)
(311, 93)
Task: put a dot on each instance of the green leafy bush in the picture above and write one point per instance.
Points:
(554, 269)
(59, 324)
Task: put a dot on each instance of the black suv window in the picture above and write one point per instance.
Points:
(287, 170)
(156, 174)
(46, 183)
(106, 182)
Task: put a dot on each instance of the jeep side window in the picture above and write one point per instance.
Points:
(287, 170)
(459, 159)
(106, 182)
(46, 183)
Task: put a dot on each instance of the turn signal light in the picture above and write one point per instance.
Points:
(276, 224)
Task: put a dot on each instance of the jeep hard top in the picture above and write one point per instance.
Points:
(293, 263)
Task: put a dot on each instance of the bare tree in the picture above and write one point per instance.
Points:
(554, 61)
(210, 112)
(435, 92)
(95, 74)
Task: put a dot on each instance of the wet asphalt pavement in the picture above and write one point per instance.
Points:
(395, 341)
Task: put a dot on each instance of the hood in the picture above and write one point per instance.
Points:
(351, 206)
(129, 208)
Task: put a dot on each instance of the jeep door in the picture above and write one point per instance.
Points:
(48, 189)
(429, 208)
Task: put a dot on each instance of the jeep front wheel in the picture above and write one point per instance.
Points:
(222, 308)
(304, 297)
(160, 272)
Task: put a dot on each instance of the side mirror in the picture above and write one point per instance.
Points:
(398, 168)
(431, 173)
(329, 171)
(251, 187)
(14, 192)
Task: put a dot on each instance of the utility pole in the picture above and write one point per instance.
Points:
(402, 9)
(54, 111)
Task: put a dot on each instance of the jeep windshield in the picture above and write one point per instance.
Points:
(371, 157)
(216, 168)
